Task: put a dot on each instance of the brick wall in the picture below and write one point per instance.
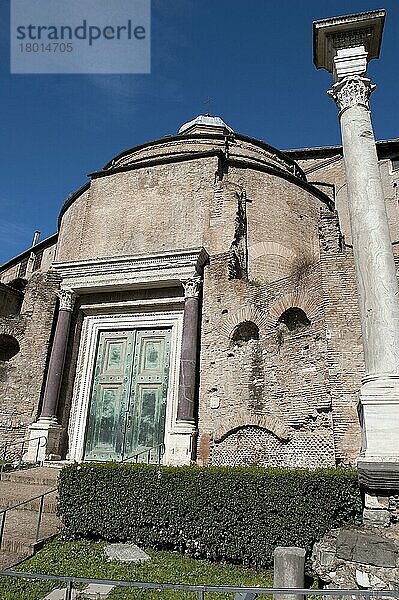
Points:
(268, 400)
(21, 378)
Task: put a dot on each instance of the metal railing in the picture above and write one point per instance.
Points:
(159, 451)
(3, 514)
(17, 457)
(239, 592)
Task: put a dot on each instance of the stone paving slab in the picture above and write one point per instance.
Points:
(97, 590)
(59, 595)
(12, 493)
(126, 553)
(36, 476)
(20, 530)
(10, 559)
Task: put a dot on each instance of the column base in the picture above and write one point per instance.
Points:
(181, 444)
(378, 464)
(376, 473)
(44, 441)
(379, 416)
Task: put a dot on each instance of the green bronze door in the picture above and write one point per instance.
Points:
(128, 399)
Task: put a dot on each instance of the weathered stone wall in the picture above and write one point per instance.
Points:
(21, 377)
(10, 273)
(36, 259)
(344, 340)
(141, 211)
(331, 170)
(266, 400)
(234, 145)
(10, 300)
(345, 360)
(119, 213)
(358, 558)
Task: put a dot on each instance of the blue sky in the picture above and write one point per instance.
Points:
(253, 58)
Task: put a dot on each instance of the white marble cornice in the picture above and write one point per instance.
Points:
(163, 269)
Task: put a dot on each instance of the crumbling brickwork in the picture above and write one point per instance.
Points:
(21, 377)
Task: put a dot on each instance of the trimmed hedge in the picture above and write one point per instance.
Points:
(234, 514)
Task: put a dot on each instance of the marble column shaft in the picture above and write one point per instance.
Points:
(377, 287)
(376, 280)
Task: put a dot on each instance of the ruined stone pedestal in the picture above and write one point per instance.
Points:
(357, 558)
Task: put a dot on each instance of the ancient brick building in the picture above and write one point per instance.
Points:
(199, 302)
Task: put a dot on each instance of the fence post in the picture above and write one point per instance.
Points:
(40, 517)
(3, 462)
(21, 454)
(68, 593)
(39, 441)
(289, 571)
(2, 524)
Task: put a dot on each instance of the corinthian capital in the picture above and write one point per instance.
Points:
(192, 287)
(67, 298)
(351, 91)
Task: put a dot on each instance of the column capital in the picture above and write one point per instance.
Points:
(192, 287)
(67, 299)
(352, 90)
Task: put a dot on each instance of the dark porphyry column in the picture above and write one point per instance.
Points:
(188, 362)
(57, 357)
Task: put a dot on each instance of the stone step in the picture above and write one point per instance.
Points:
(36, 476)
(10, 559)
(20, 530)
(12, 493)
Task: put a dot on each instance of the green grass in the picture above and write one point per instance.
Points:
(87, 559)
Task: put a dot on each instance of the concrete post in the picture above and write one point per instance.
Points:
(289, 571)
(47, 428)
(344, 46)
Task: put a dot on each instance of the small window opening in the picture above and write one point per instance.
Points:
(245, 331)
(9, 347)
(23, 265)
(38, 260)
(395, 163)
(294, 318)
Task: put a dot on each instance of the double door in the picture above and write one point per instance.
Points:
(128, 395)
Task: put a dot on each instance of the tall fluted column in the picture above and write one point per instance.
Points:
(45, 433)
(344, 46)
(188, 362)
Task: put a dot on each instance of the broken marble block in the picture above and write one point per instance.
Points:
(126, 553)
